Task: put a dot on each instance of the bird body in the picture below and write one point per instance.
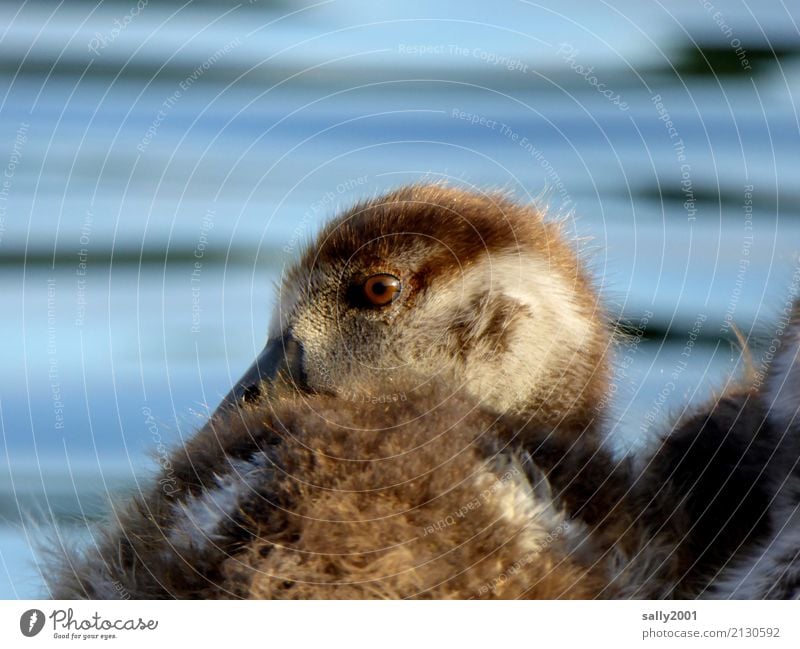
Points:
(289, 503)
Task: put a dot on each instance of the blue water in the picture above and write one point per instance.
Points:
(108, 203)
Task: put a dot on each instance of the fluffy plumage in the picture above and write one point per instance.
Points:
(313, 497)
(280, 500)
(447, 446)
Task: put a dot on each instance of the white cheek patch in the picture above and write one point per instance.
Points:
(557, 331)
(196, 521)
(533, 283)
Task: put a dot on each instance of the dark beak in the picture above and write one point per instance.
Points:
(278, 369)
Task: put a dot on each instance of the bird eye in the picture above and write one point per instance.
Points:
(380, 290)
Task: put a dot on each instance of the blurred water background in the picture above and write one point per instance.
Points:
(162, 161)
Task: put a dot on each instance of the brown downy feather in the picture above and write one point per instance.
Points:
(319, 498)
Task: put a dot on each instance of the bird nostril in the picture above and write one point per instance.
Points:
(251, 392)
(279, 368)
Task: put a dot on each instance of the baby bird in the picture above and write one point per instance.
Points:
(425, 422)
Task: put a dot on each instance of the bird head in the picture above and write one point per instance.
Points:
(437, 281)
